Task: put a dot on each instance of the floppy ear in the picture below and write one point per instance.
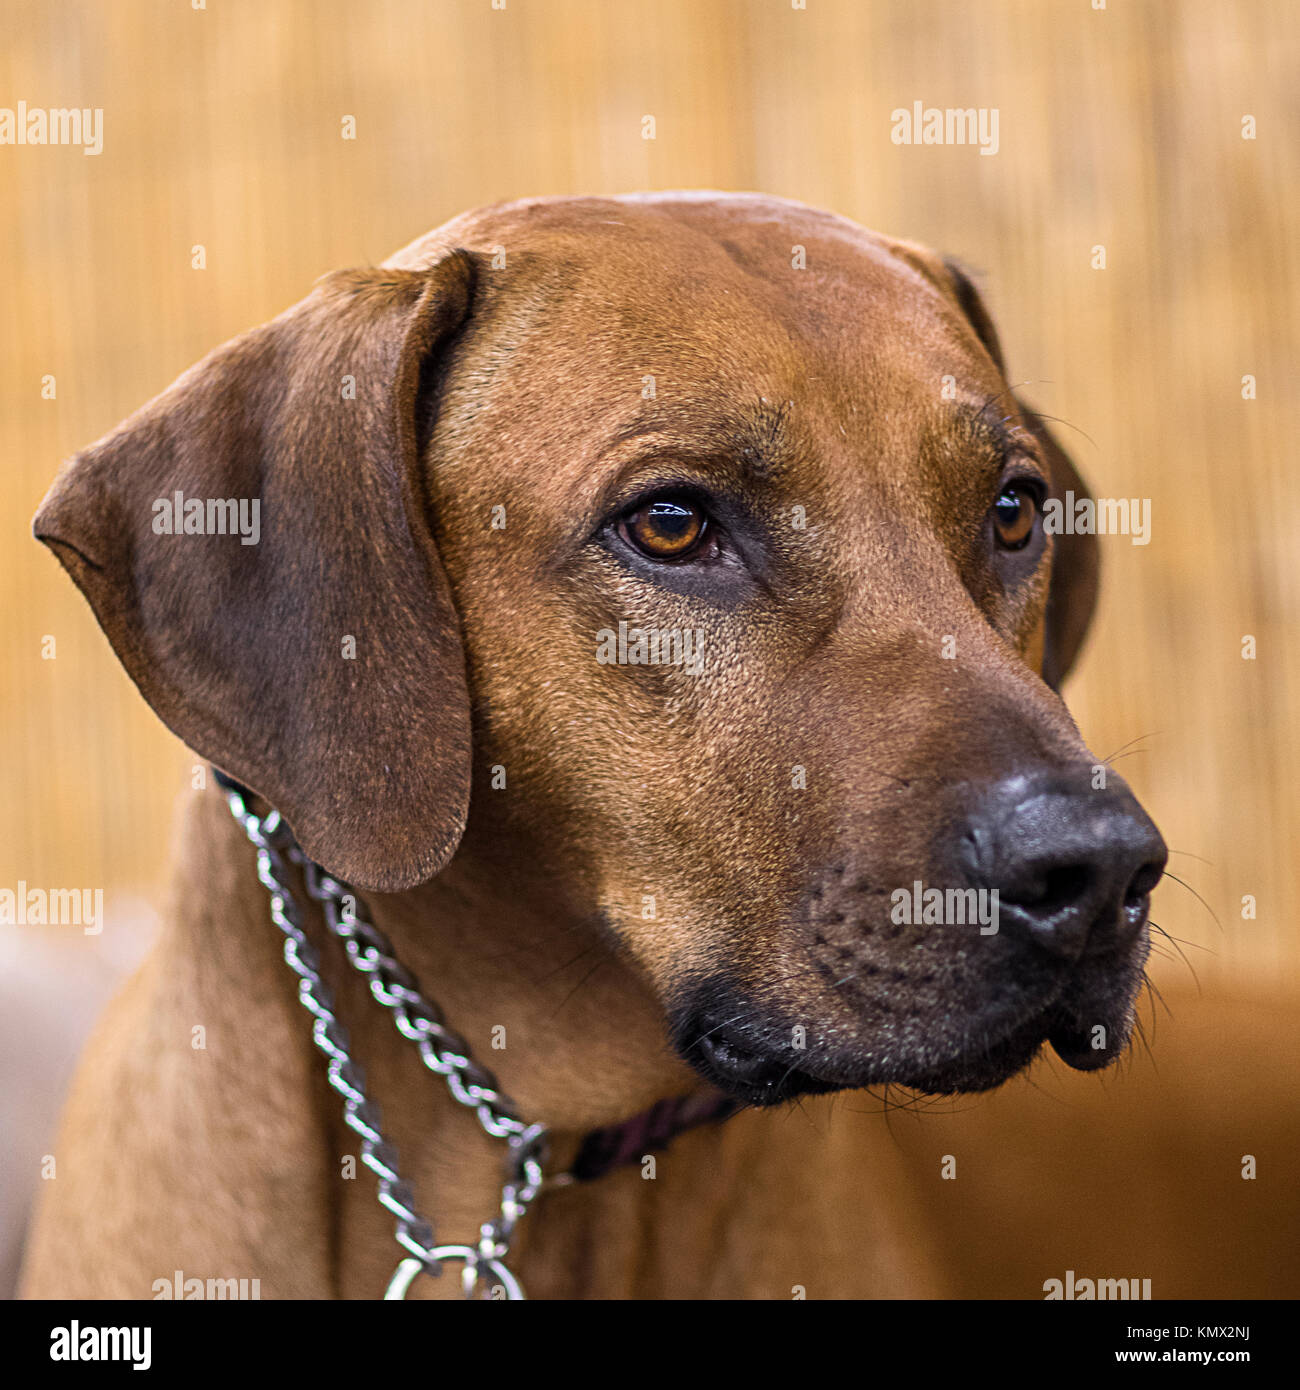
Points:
(1076, 559)
(321, 664)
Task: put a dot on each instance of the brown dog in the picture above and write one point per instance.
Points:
(782, 452)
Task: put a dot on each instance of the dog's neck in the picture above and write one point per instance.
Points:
(573, 1031)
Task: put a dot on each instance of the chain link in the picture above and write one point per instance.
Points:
(442, 1050)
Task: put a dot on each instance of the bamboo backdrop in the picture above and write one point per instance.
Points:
(1120, 127)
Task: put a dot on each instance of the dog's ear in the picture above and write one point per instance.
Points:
(314, 654)
(1076, 559)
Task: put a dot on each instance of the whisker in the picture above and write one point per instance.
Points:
(1197, 896)
(1183, 941)
(1155, 733)
(579, 985)
(1187, 854)
(1155, 926)
(1153, 993)
(1069, 424)
(1119, 757)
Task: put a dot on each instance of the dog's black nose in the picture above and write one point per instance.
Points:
(1073, 868)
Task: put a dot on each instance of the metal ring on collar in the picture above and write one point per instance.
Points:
(475, 1265)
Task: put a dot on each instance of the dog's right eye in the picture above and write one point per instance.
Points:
(667, 529)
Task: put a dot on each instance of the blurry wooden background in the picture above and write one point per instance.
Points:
(1121, 127)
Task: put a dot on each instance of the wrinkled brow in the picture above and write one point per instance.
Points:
(993, 429)
(757, 438)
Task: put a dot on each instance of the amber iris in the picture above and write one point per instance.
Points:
(1014, 514)
(670, 528)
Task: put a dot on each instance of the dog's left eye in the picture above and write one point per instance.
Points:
(1014, 515)
(667, 528)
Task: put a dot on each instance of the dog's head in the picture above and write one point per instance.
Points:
(682, 558)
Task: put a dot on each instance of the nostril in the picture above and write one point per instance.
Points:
(1142, 882)
(1066, 884)
(1053, 887)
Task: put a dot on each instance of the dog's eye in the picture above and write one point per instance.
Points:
(1014, 515)
(669, 528)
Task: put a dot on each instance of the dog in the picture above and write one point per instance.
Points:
(650, 609)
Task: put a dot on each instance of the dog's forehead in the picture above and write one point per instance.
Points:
(670, 272)
(600, 319)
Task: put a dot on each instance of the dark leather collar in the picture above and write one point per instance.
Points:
(616, 1146)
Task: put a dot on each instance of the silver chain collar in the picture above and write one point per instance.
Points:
(418, 1020)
